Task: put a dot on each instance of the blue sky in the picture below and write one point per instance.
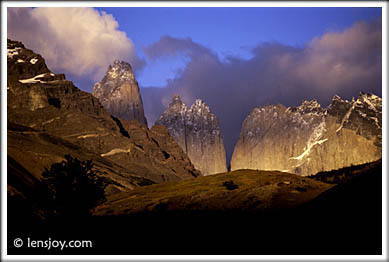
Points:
(228, 31)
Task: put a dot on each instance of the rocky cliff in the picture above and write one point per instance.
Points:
(198, 133)
(49, 117)
(119, 93)
(307, 139)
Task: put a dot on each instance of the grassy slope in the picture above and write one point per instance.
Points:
(256, 191)
(345, 219)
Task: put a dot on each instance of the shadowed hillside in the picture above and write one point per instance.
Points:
(346, 174)
(242, 212)
(241, 190)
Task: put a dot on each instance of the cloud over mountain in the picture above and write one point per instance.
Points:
(79, 41)
(82, 42)
(341, 63)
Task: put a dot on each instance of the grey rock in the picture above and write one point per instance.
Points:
(119, 93)
(198, 133)
(307, 139)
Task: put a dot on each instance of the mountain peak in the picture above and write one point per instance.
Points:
(336, 97)
(311, 106)
(176, 97)
(369, 96)
(372, 101)
(176, 101)
(24, 64)
(198, 133)
(200, 107)
(199, 102)
(176, 106)
(120, 71)
(119, 93)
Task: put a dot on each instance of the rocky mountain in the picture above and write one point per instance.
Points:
(49, 117)
(198, 133)
(307, 139)
(118, 92)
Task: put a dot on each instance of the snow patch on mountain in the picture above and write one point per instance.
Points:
(33, 61)
(36, 79)
(306, 139)
(116, 151)
(346, 117)
(198, 133)
(118, 92)
(313, 140)
(11, 52)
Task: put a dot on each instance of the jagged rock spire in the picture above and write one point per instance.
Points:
(119, 93)
(307, 139)
(198, 133)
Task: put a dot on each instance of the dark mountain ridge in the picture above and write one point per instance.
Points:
(49, 117)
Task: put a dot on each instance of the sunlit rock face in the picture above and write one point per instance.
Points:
(198, 133)
(49, 117)
(119, 93)
(307, 139)
(174, 118)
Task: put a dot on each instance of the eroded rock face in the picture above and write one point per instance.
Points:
(119, 93)
(307, 139)
(49, 117)
(174, 118)
(198, 133)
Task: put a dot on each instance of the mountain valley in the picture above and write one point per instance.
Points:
(303, 179)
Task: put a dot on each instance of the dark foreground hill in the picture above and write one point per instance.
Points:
(242, 212)
(346, 174)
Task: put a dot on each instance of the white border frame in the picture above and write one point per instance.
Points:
(6, 257)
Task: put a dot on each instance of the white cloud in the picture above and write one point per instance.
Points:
(79, 41)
